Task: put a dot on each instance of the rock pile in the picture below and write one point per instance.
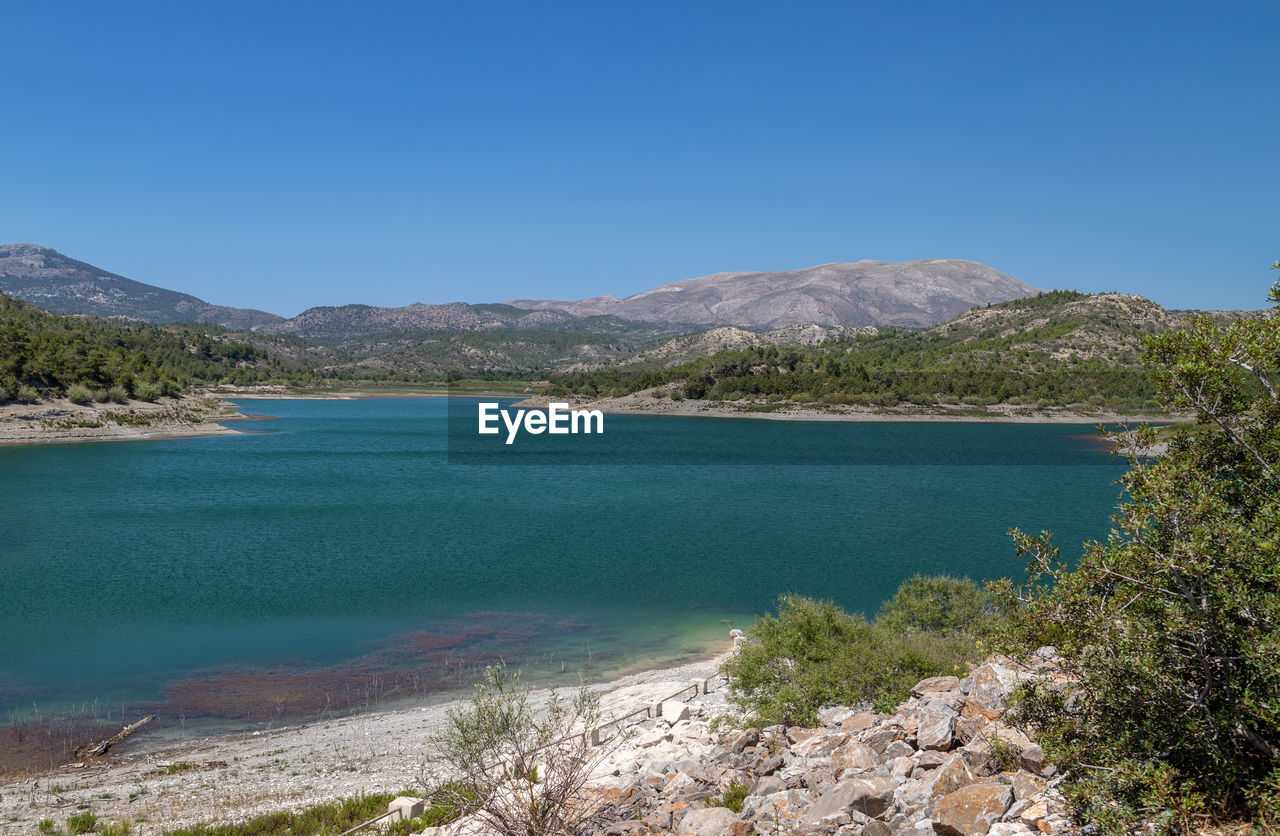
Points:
(942, 763)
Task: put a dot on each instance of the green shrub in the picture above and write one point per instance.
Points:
(148, 391)
(76, 393)
(733, 797)
(1170, 630)
(118, 394)
(814, 654)
(520, 769)
(85, 822)
(27, 394)
(939, 604)
(101, 396)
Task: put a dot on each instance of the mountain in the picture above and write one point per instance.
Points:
(910, 294)
(48, 278)
(347, 321)
(1059, 348)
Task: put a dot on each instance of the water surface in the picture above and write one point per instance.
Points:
(339, 556)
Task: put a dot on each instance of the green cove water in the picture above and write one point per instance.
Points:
(346, 554)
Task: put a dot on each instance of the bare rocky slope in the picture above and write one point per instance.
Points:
(911, 294)
(53, 281)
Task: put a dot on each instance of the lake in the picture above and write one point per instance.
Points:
(353, 553)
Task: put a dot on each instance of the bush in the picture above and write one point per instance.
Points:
(814, 654)
(85, 822)
(517, 768)
(1171, 629)
(118, 394)
(939, 604)
(733, 797)
(76, 393)
(147, 391)
(27, 394)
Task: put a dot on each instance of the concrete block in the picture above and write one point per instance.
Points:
(405, 808)
(673, 711)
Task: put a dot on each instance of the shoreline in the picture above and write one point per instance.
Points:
(204, 414)
(645, 403)
(61, 421)
(234, 776)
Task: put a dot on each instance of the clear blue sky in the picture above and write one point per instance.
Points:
(282, 155)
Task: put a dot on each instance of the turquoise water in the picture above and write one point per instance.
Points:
(339, 556)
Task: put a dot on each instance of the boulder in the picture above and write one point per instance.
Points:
(1008, 828)
(835, 715)
(750, 737)
(935, 731)
(990, 685)
(709, 821)
(879, 738)
(898, 749)
(854, 755)
(820, 746)
(858, 722)
(931, 760)
(967, 728)
(875, 827)
(652, 738)
(868, 796)
(1032, 758)
(673, 711)
(954, 773)
(935, 684)
(788, 804)
(1035, 813)
(971, 810)
(768, 785)
(1026, 785)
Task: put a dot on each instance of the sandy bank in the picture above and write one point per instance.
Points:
(645, 403)
(61, 420)
(237, 776)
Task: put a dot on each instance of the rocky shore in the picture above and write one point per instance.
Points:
(942, 763)
(60, 420)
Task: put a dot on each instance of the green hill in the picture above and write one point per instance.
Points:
(45, 355)
(1056, 349)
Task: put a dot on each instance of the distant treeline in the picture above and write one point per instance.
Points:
(916, 367)
(43, 354)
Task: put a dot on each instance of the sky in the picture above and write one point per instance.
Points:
(280, 155)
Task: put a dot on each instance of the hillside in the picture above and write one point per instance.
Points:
(335, 323)
(908, 294)
(44, 354)
(1056, 349)
(48, 278)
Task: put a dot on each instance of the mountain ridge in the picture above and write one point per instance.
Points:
(910, 294)
(61, 284)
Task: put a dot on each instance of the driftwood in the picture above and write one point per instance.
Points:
(101, 748)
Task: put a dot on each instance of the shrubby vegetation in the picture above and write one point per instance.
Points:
(329, 818)
(1171, 628)
(91, 359)
(812, 653)
(516, 766)
(977, 368)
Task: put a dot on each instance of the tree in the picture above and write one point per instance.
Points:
(1170, 707)
(523, 770)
